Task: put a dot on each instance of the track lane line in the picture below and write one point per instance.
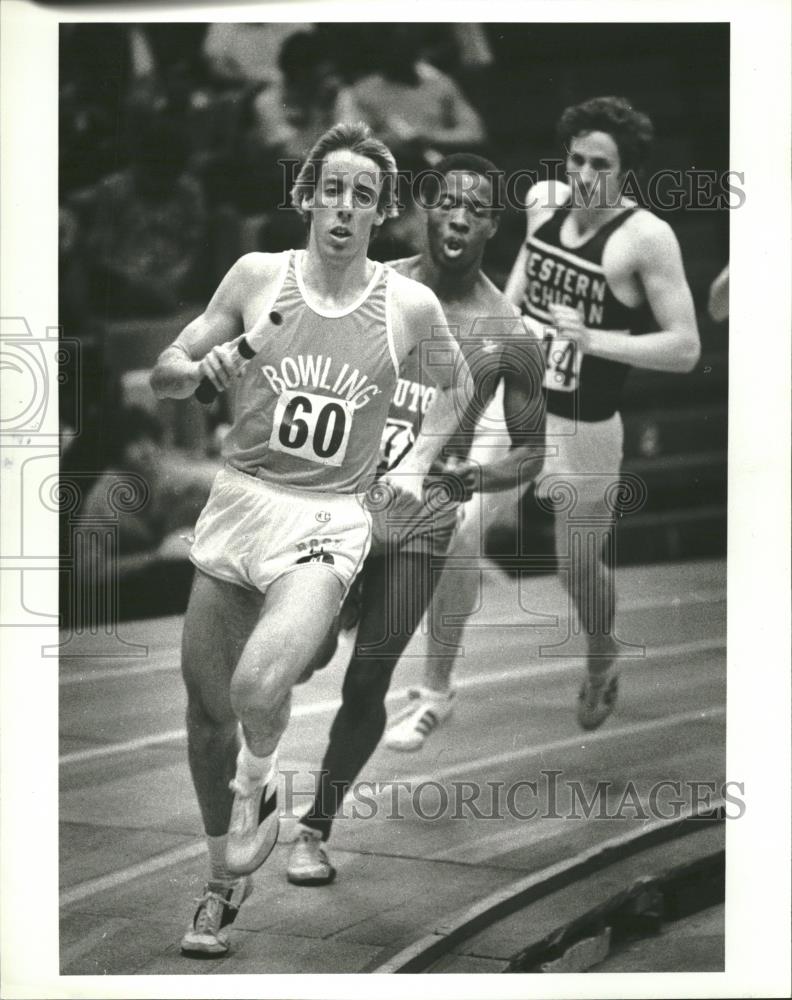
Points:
(167, 660)
(96, 885)
(557, 666)
(581, 740)
(524, 833)
(92, 887)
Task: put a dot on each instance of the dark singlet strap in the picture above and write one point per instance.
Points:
(550, 231)
(609, 228)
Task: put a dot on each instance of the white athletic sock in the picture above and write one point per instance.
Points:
(250, 768)
(219, 875)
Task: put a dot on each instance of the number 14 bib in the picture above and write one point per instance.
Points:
(562, 357)
(562, 362)
(312, 427)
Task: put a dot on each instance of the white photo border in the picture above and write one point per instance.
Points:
(758, 845)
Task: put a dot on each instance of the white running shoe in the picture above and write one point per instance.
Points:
(207, 935)
(411, 727)
(597, 698)
(255, 823)
(309, 863)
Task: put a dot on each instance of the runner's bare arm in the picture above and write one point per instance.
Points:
(423, 322)
(675, 347)
(718, 303)
(205, 347)
(524, 412)
(515, 286)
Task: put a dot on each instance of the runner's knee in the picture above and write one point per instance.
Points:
(259, 689)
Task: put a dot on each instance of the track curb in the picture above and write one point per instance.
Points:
(452, 930)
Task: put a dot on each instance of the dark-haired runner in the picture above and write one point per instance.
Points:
(595, 271)
(399, 576)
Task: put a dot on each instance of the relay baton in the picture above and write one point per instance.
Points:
(247, 347)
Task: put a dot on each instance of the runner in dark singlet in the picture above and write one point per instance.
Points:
(595, 271)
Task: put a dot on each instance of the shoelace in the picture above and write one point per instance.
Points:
(209, 914)
(308, 839)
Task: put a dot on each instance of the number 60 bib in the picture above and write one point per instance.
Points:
(312, 427)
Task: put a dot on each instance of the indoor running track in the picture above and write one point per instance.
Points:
(132, 859)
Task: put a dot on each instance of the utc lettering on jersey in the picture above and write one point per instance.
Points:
(410, 402)
(414, 397)
(579, 386)
(298, 409)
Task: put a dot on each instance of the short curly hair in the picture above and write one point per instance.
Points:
(472, 163)
(357, 138)
(631, 130)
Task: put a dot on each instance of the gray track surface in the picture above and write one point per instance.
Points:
(132, 858)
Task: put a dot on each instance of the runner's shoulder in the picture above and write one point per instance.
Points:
(258, 267)
(546, 196)
(405, 266)
(248, 276)
(645, 226)
(647, 237)
(410, 297)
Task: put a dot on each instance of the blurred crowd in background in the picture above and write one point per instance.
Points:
(171, 137)
(178, 144)
(172, 142)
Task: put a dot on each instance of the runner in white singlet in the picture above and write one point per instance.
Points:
(286, 526)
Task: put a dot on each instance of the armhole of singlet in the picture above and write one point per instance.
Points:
(280, 280)
(389, 319)
(279, 283)
(277, 286)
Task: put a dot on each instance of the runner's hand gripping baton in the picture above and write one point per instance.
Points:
(247, 347)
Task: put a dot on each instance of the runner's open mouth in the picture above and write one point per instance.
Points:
(453, 247)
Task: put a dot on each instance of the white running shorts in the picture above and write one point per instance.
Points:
(252, 532)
